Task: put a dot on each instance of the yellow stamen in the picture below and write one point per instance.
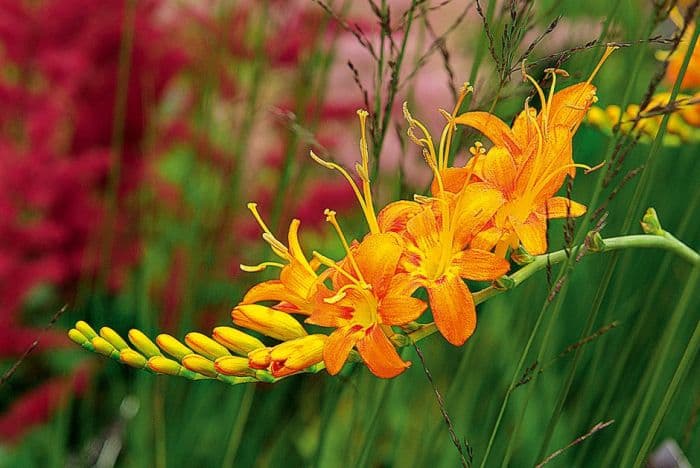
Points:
(279, 248)
(259, 267)
(330, 263)
(363, 172)
(330, 217)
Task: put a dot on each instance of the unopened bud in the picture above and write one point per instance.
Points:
(259, 358)
(233, 366)
(79, 339)
(205, 346)
(132, 358)
(269, 322)
(143, 343)
(296, 355)
(172, 346)
(163, 365)
(85, 329)
(199, 364)
(651, 224)
(237, 341)
(113, 338)
(103, 347)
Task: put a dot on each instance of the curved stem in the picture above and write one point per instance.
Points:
(645, 241)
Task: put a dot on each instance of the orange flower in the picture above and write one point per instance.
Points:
(297, 278)
(529, 164)
(691, 79)
(437, 232)
(369, 295)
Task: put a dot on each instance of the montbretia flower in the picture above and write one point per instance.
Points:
(437, 233)
(290, 357)
(529, 163)
(368, 297)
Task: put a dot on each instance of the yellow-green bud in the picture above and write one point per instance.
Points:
(205, 346)
(78, 338)
(113, 338)
(199, 364)
(143, 343)
(651, 223)
(236, 340)
(269, 322)
(172, 346)
(85, 329)
(132, 358)
(163, 365)
(103, 346)
(234, 366)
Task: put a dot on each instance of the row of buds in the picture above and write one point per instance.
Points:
(230, 355)
(683, 124)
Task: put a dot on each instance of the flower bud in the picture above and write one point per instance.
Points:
(259, 358)
(163, 365)
(651, 223)
(113, 338)
(85, 329)
(237, 341)
(143, 343)
(205, 346)
(269, 322)
(234, 366)
(521, 256)
(172, 346)
(296, 355)
(79, 339)
(103, 346)
(132, 358)
(199, 364)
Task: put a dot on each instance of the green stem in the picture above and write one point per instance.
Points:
(665, 241)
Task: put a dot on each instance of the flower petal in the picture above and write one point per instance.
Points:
(562, 207)
(273, 290)
(453, 180)
(569, 105)
(394, 216)
(487, 239)
(338, 346)
(453, 308)
(377, 257)
(492, 127)
(380, 355)
(499, 168)
(532, 234)
(480, 265)
(399, 310)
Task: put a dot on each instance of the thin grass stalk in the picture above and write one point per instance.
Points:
(559, 302)
(378, 141)
(653, 374)
(588, 328)
(689, 355)
(234, 440)
(623, 357)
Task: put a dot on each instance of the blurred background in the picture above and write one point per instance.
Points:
(134, 132)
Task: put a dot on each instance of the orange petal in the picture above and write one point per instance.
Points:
(499, 168)
(532, 234)
(453, 308)
(524, 128)
(297, 278)
(338, 346)
(453, 180)
(395, 215)
(399, 310)
(476, 205)
(480, 265)
(272, 290)
(423, 228)
(562, 207)
(377, 257)
(487, 239)
(380, 355)
(492, 127)
(569, 105)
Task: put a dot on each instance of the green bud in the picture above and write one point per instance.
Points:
(521, 256)
(504, 283)
(651, 224)
(595, 241)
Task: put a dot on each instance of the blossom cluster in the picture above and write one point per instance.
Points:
(323, 312)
